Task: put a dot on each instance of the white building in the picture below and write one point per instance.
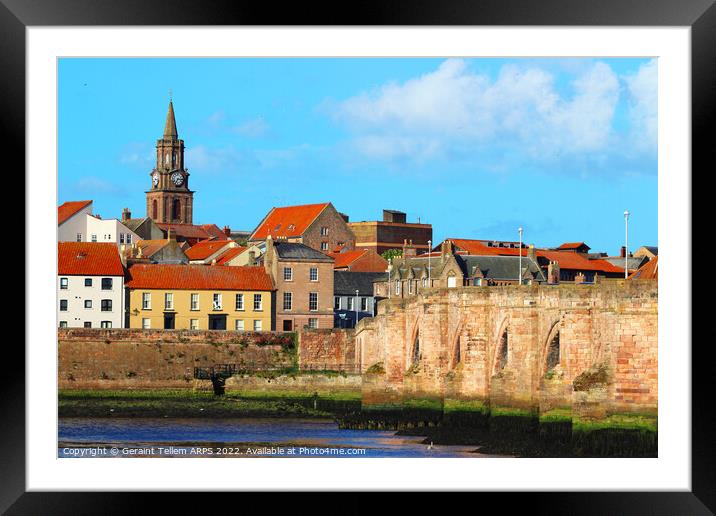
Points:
(90, 285)
(76, 223)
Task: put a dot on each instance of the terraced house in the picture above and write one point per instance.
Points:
(199, 297)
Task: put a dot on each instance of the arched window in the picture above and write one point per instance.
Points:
(154, 209)
(502, 351)
(553, 352)
(452, 280)
(176, 209)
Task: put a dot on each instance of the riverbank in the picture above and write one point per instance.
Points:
(188, 403)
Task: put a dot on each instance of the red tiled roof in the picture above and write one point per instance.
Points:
(149, 247)
(66, 210)
(198, 277)
(213, 230)
(288, 221)
(202, 250)
(345, 258)
(88, 259)
(650, 270)
(566, 259)
(186, 230)
(572, 245)
(229, 255)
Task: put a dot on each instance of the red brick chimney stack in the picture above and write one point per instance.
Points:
(227, 231)
(126, 214)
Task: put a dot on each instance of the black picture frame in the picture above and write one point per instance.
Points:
(700, 15)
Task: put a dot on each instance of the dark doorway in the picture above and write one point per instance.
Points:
(217, 322)
(287, 325)
(168, 321)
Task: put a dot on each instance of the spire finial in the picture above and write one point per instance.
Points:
(170, 127)
(170, 94)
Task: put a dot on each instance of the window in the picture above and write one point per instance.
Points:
(88, 324)
(193, 324)
(194, 301)
(146, 323)
(324, 231)
(217, 301)
(287, 300)
(287, 274)
(106, 324)
(287, 325)
(257, 325)
(168, 301)
(176, 209)
(313, 274)
(258, 303)
(337, 303)
(129, 238)
(239, 325)
(324, 246)
(88, 282)
(121, 238)
(106, 283)
(452, 281)
(364, 304)
(313, 301)
(79, 237)
(63, 305)
(313, 323)
(350, 303)
(239, 301)
(146, 300)
(63, 283)
(88, 303)
(94, 238)
(63, 324)
(106, 305)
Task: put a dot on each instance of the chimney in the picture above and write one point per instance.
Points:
(531, 253)
(579, 278)
(227, 231)
(252, 258)
(553, 272)
(126, 214)
(269, 254)
(445, 249)
(408, 248)
(622, 252)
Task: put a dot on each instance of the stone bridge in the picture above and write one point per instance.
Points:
(589, 348)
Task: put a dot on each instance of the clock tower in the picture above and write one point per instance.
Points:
(169, 200)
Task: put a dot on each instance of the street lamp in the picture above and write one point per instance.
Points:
(430, 250)
(626, 244)
(356, 307)
(519, 265)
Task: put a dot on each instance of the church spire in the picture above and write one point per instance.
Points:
(170, 127)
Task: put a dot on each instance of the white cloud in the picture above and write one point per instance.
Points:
(643, 105)
(254, 128)
(453, 105)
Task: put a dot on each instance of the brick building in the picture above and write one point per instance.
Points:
(303, 278)
(389, 233)
(319, 226)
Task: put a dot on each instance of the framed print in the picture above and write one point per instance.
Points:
(415, 253)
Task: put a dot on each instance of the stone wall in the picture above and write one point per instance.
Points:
(458, 334)
(332, 349)
(135, 359)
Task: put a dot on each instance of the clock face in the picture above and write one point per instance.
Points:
(155, 179)
(177, 178)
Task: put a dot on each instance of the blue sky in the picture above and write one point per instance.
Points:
(477, 147)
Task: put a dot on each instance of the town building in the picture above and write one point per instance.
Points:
(353, 296)
(359, 260)
(90, 285)
(303, 278)
(649, 251)
(144, 227)
(76, 223)
(169, 199)
(192, 233)
(238, 256)
(165, 250)
(389, 233)
(208, 251)
(318, 226)
(199, 297)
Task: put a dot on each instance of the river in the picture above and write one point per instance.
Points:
(240, 437)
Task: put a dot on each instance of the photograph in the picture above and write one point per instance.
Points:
(357, 257)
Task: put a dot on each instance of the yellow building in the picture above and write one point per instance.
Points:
(200, 297)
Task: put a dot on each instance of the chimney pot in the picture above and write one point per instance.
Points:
(227, 231)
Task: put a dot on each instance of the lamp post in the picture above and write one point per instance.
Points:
(626, 243)
(356, 308)
(430, 250)
(519, 265)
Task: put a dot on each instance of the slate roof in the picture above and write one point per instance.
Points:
(288, 221)
(500, 267)
(633, 262)
(133, 224)
(295, 251)
(88, 259)
(198, 277)
(345, 283)
(69, 208)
